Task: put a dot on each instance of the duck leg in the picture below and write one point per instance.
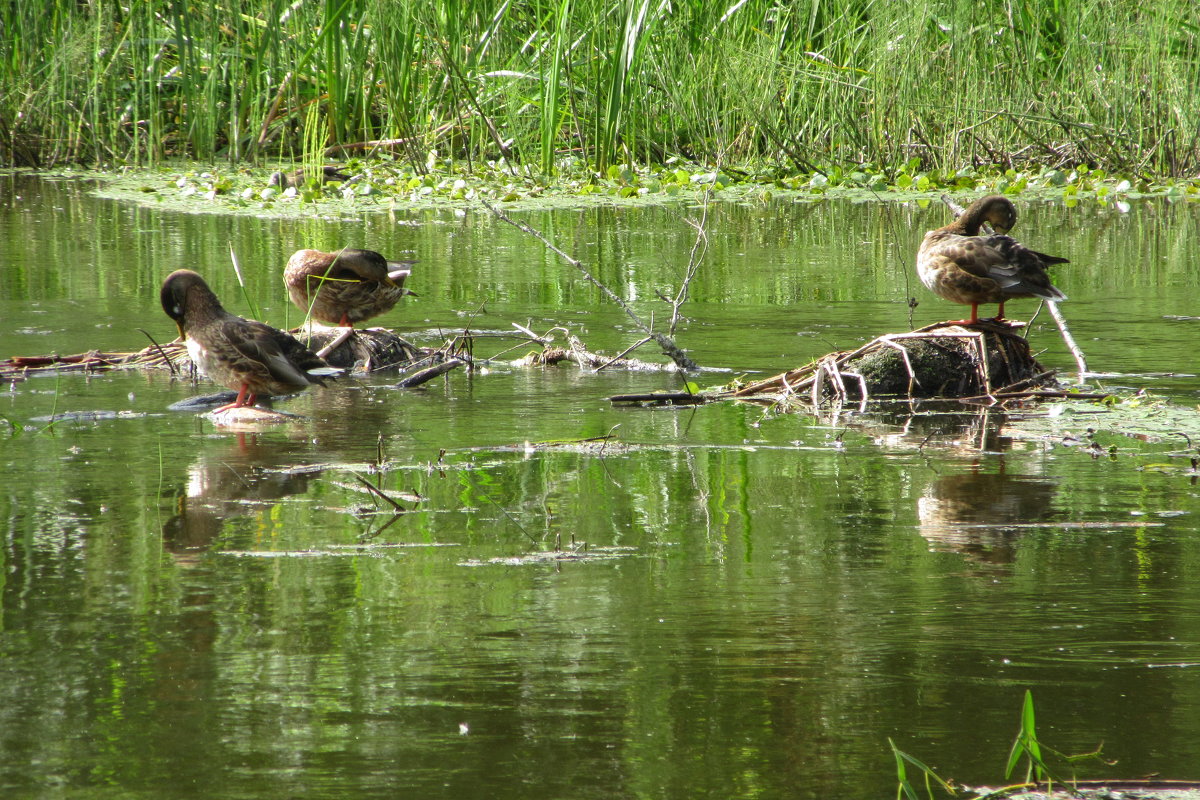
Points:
(244, 398)
(974, 317)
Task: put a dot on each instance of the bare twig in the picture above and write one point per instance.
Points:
(664, 341)
(694, 258)
(623, 353)
(531, 334)
(378, 493)
(1068, 338)
(161, 352)
(337, 340)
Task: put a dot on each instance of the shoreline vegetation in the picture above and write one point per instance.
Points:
(621, 98)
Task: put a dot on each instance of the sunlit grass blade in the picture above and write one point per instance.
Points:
(237, 270)
(1026, 746)
(905, 786)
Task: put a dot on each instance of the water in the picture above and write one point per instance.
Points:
(761, 603)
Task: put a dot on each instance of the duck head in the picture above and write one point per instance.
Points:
(185, 296)
(996, 210)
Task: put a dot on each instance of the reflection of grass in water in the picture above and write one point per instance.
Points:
(237, 270)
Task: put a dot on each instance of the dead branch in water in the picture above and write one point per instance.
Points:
(429, 373)
(576, 353)
(664, 341)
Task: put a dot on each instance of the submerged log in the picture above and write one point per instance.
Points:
(946, 360)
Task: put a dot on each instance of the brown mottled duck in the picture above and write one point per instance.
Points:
(253, 358)
(298, 178)
(958, 264)
(345, 286)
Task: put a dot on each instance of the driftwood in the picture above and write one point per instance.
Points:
(663, 398)
(940, 361)
(576, 353)
(366, 350)
(372, 349)
(429, 373)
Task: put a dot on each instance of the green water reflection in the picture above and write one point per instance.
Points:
(761, 601)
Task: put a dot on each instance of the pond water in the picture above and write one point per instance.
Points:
(720, 602)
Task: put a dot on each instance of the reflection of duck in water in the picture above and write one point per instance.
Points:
(298, 177)
(346, 286)
(226, 485)
(959, 265)
(975, 513)
(253, 358)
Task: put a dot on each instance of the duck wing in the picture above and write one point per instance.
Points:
(277, 354)
(1014, 267)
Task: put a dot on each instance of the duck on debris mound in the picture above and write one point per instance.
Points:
(959, 265)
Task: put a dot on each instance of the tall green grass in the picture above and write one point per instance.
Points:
(800, 85)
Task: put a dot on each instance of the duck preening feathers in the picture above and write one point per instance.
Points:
(250, 357)
(345, 286)
(958, 264)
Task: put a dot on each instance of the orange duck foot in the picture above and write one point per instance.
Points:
(244, 398)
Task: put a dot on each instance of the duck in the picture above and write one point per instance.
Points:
(299, 178)
(346, 286)
(248, 356)
(958, 264)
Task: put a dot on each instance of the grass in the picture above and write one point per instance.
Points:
(808, 86)
(1025, 747)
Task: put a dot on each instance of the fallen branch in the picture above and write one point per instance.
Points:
(429, 373)
(665, 342)
(663, 398)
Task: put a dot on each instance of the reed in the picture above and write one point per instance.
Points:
(804, 86)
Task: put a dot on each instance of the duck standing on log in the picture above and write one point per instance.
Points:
(253, 358)
(346, 286)
(959, 265)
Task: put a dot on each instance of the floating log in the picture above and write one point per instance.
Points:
(662, 398)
